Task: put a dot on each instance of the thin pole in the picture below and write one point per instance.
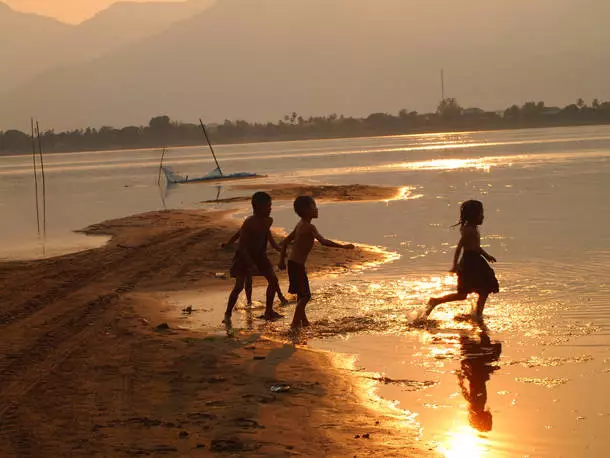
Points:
(44, 185)
(442, 84)
(35, 176)
(161, 166)
(205, 133)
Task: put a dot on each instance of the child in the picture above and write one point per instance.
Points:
(248, 283)
(251, 257)
(303, 236)
(473, 271)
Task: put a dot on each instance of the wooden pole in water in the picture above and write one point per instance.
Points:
(161, 166)
(205, 133)
(44, 185)
(35, 176)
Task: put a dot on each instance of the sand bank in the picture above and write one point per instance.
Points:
(85, 372)
(328, 193)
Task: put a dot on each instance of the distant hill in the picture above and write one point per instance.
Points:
(31, 44)
(27, 43)
(261, 59)
(126, 22)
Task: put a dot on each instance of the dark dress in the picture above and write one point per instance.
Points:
(475, 275)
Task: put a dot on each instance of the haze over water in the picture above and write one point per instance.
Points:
(545, 361)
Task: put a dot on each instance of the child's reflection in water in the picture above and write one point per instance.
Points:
(478, 356)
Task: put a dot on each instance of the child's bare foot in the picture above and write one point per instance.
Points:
(476, 318)
(272, 316)
(249, 304)
(298, 321)
(433, 302)
(227, 319)
(283, 301)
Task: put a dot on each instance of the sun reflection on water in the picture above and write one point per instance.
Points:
(453, 164)
(464, 442)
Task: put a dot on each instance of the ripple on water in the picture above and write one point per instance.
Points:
(546, 382)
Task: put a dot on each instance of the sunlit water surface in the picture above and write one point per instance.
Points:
(534, 383)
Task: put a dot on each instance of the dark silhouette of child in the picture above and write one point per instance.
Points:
(477, 366)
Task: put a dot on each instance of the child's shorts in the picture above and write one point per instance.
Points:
(299, 283)
(263, 267)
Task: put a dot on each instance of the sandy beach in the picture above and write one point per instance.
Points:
(86, 369)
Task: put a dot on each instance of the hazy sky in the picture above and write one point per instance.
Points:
(73, 11)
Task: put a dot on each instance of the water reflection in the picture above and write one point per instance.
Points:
(477, 365)
(479, 356)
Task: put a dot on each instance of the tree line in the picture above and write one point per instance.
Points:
(449, 116)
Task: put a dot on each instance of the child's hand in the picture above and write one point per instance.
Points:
(349, 246)
(491, 258)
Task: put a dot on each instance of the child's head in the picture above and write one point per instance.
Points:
(471, 212)
(480, 420)
(261, 204)
(305, 207)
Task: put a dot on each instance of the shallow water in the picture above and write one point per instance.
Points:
(544, 363)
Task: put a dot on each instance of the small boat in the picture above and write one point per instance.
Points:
(214, 176)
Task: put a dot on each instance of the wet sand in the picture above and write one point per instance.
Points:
(86, 372)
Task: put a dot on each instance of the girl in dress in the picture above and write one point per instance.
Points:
(473, 270)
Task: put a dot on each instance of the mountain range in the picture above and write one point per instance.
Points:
(260, 59)
(31, 44)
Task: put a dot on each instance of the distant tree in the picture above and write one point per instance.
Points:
(14, 140)
(379, 120)
(513, 113)
(571, 111)
(595, 104)
(449, 109)
(580, 103)
(531, 110)
(160, 124)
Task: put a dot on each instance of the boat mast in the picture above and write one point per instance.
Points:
(205, 133)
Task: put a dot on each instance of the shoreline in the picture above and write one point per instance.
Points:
(82, 352)
(309, 139)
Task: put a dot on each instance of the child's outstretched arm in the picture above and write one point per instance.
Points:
(272, 242)
(320, 238)
(233, 239)
(487, 256)
(285, 243)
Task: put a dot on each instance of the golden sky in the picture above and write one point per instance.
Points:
(73, 11)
